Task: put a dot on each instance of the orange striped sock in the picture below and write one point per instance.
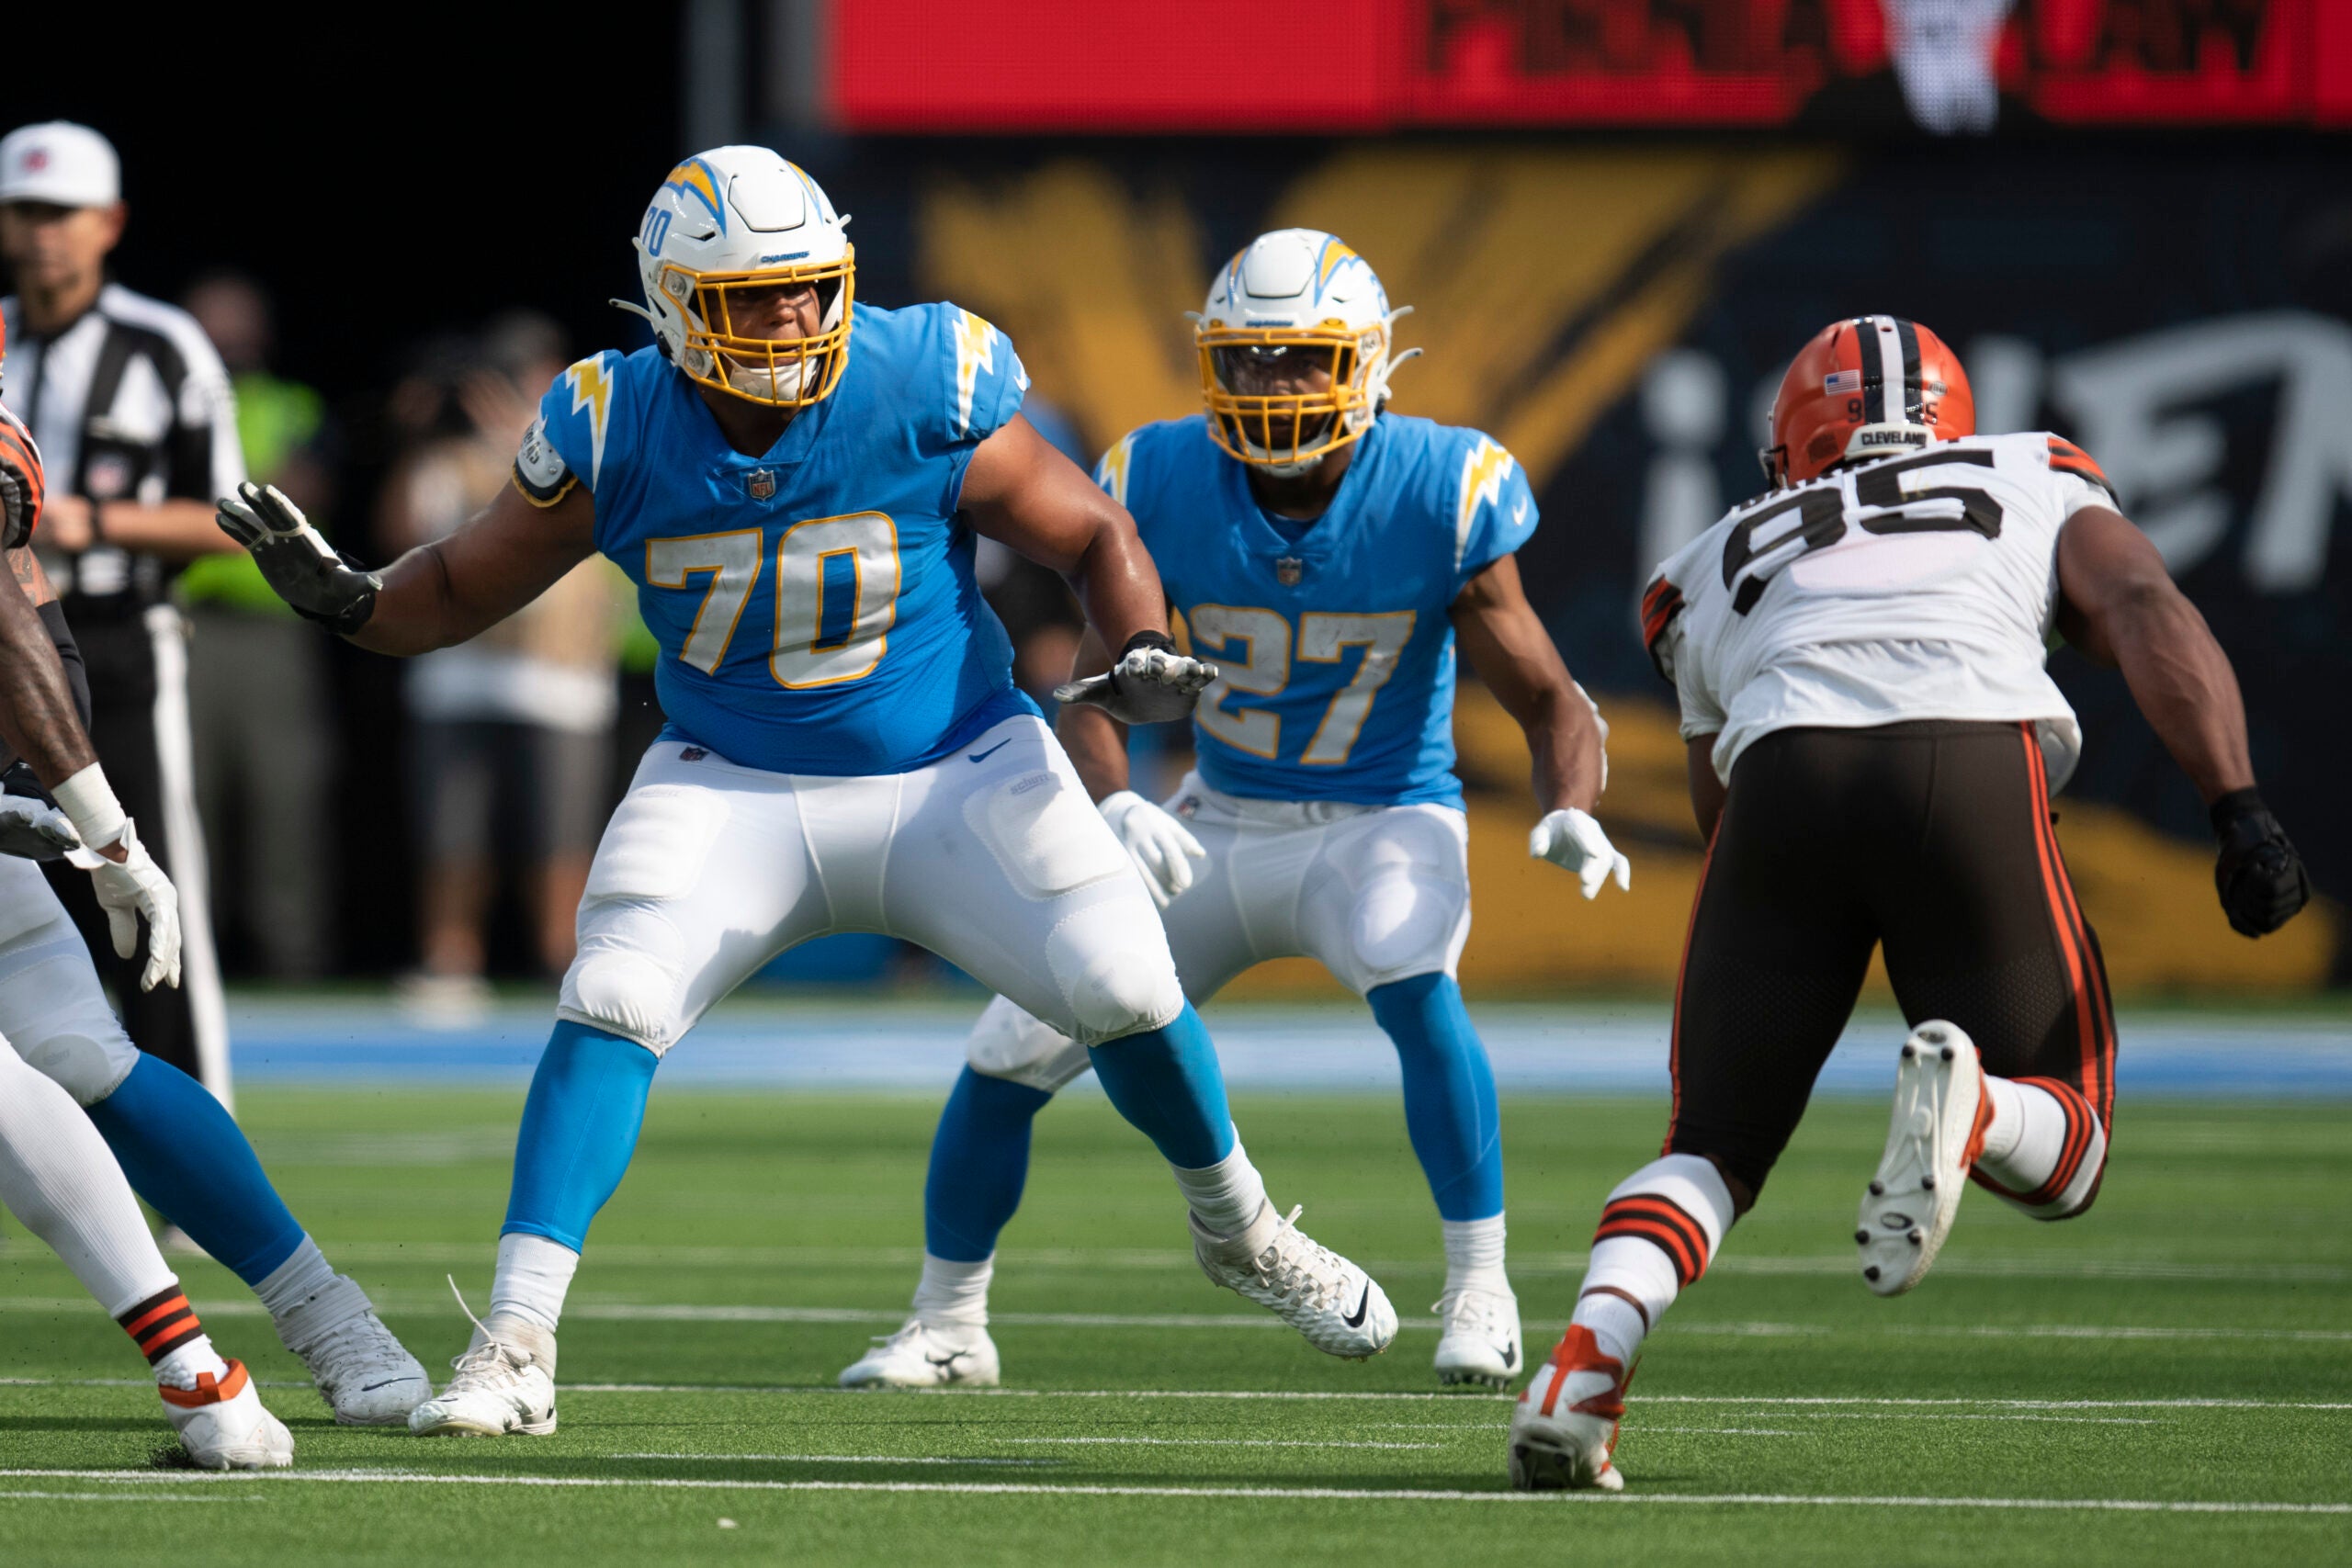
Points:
(162, 1324)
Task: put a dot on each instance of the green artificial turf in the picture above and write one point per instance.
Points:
(2188, 1342)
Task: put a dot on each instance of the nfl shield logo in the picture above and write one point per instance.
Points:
(1288, 570)
(761, 482)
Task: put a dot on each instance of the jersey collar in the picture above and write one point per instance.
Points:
(1261, 538)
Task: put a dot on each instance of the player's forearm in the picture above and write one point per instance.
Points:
(1707, 790)
(37, 717)
(1118, 586)
(1564, 735)
(1096, 742)
(179, 529)
(418, 608)
(2183, 683)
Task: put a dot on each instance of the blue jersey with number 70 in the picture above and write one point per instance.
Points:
(815, 604)
(1335, 646)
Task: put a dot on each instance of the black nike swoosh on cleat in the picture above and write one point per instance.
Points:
(387, 1383)
(947, 1361)
(1355, 1318)
(984, 756)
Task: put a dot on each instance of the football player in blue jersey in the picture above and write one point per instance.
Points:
(794, 481)
(1328, 556)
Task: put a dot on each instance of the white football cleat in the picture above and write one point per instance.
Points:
(362, 1370)
(223, 1425)
(927, 1355)
(1564, 1428)
(1478, 1342)
(1270, 1261)
(1937, 1128)
(506, 1382)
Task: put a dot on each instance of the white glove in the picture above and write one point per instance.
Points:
(1151, 683)
(1573, 840)
(131, 890)
(1162, 847)
(30, 831)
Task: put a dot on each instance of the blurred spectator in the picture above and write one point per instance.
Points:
(137, 426)
(257, 674)
(510, 734)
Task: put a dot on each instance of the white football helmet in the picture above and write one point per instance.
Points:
(742, 218)
(1295, 293)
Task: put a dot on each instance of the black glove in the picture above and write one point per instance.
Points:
(1151, 683)
(2260, 877)
(296, 561)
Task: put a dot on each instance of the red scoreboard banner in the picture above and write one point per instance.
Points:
(1137, 66)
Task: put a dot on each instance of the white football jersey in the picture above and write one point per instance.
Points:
(1918, 586)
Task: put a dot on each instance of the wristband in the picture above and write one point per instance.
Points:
(2229, 808)
(89, 804)
(1148, 639)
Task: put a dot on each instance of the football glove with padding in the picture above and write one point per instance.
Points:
(1151, 683)
(2260, 877)
(297, 561)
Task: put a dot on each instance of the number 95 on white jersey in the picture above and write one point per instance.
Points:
(1920, 585)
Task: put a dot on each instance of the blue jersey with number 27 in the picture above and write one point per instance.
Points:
(1336, 647)
(815, 604)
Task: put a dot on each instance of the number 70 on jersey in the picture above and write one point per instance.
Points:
(836, 592)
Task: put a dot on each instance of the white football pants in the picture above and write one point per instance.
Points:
(994, 858)
(52, 1006)
(1376, 894)
(60, 1180)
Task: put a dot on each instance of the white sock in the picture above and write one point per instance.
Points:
(955, 1293)
(1226, 1195)
(534, 1274)
(1473, 1255)
(1616, 1324)
(62, 1184)
(184, 1365)
(292, 1283)
(2007, 1126)
(2041, 1153)
(1658, 1231)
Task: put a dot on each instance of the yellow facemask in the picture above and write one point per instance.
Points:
(785, 373)
(1275, 429)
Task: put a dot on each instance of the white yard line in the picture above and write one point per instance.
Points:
(1215, 1442)
(1457, 1397)
(848, 1459)
(127, 1497)
(1527, 1264)
(656, 1312)
(1330, 1493)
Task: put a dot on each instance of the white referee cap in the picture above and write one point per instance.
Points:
(59, 162)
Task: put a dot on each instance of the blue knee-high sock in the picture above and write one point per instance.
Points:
(183, 1154)
(580, 1126)
(1449, 1093)
(1167, 1083)
(979, 1160)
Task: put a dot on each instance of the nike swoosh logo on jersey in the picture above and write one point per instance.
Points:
(1355, 1318)
(984, 756)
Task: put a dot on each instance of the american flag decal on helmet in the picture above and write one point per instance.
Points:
(1838, 381)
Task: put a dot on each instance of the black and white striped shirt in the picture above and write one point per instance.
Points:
(128, 403)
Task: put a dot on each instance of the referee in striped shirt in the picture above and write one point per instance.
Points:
(136, 425)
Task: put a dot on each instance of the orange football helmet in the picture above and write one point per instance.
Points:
(1862, 389)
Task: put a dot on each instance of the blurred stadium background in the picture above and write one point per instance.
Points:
(1613, 217)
